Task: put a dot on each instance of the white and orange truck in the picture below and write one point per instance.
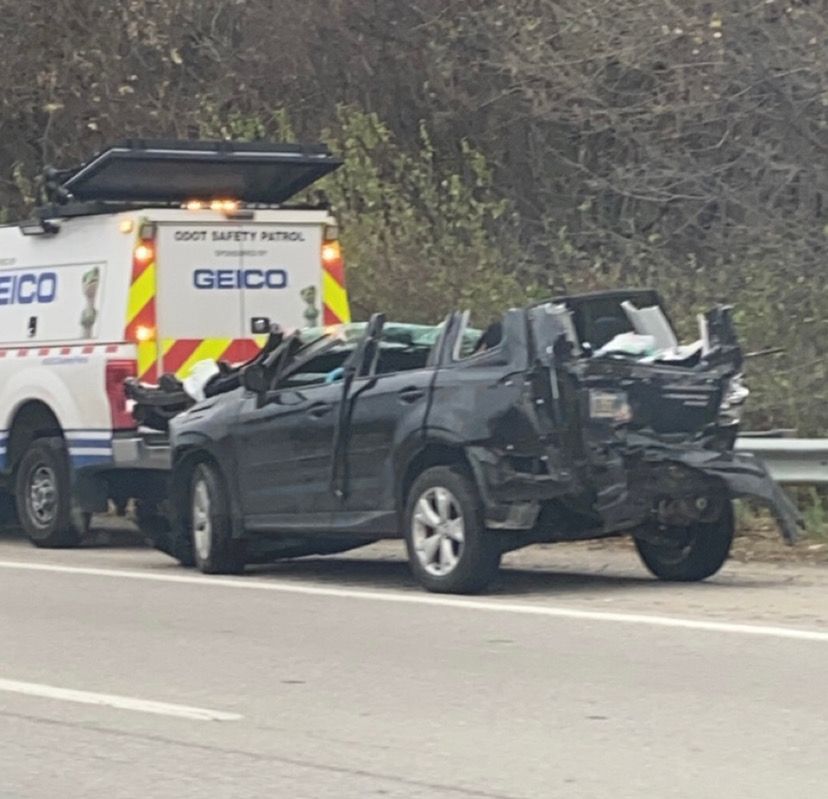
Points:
(147, 259)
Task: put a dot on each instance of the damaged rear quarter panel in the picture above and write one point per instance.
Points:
(490, 406)
(482, 400)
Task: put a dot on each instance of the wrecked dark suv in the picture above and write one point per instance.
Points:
(572, 419)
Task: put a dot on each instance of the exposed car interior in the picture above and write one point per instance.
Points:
(598, 319)
(400, 351)
(393, 357)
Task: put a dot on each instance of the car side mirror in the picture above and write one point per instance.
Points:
(254, 378)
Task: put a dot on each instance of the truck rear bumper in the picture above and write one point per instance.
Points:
(139, 451)
(139, 468)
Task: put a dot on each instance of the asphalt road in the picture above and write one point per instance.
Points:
(122, 675)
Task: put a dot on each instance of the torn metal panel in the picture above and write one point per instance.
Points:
(656, 433)
(746, 476)
(648, 473)
(651, 321)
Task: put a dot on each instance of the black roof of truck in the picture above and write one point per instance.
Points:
(173, 171)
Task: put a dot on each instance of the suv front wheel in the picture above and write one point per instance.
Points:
(214, 548)
(449, 548)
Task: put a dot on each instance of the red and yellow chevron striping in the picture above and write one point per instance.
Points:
(178, 356)
(141, 317)
(334, 296)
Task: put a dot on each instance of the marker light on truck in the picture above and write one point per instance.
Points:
(224, 206)
(331, 252)
(144, 333)
(143, 253)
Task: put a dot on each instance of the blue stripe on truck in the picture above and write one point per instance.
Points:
(86, 447)
(89, 447)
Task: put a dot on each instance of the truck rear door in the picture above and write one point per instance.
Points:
(283, 273)
(198, 277)
(214, 278)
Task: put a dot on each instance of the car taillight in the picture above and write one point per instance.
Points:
(116, 374)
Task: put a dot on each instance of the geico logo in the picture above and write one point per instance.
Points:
(240, 279)
(28, 288)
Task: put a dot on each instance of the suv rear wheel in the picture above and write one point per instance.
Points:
(692, 553)
(214, 548)
(449, 548)
(43, 491)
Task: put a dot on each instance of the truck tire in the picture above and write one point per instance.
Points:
(698, 552)
(43, 490)
(214, 548)
(449, 548)
(8, 511)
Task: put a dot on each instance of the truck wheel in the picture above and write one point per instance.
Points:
(697, 551)
(214, 548)
(449, 548)
(43, 490)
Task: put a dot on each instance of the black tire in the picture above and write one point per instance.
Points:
(172, 540)
(215, 551)
(475, 559)
(43, 492)
(8, 510)
(150, 519)
(159, 530)
(81, 520)
(696, 553)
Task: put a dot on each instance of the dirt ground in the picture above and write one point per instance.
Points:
(757, 541)
(762, 542)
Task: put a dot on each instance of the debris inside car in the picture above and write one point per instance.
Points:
(576, 418)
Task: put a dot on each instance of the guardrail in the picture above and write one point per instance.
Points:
(790, 460)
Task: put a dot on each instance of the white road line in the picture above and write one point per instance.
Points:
(415, 598)
(120, 702)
